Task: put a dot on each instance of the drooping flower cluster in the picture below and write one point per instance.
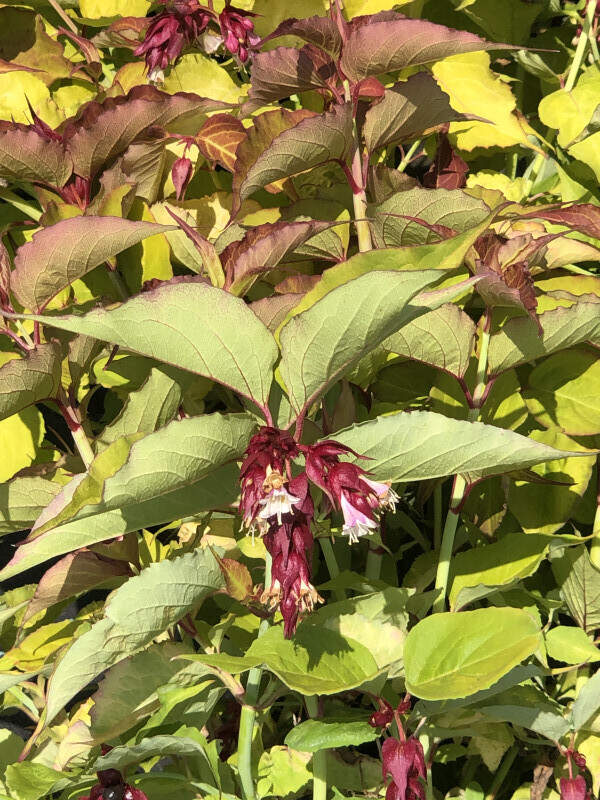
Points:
(183, 22)
(279, 507)
(574, 787)
(111, 786)
(405, 763)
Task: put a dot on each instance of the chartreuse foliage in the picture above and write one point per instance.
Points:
(371, 224)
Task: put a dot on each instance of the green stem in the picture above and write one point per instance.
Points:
(332, 565)
(437, 517)
(23, 205)
(502, 772)
(359, 195)
(83, 446)
(409, 154)
(248, 714)
(319, 760)
(117, 282)
(459, 487)
(373, 566)
(581, 47)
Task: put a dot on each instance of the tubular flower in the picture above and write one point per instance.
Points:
(237, 30)
(574, 789)
(405, 762)
(111, 786)
(181, 23)
(266, 461)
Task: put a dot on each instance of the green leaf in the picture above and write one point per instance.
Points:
(312, 355)
(406, 111)
(141, 609)
(312, 663)
(443, 338)
(62, 253)
(324, 734)
(395, 221)
(30, 781)
(99, 9)
(512, 25)
(564, 391)
(515, 556)
(25, 381)
(527, 707)
(454, 655)
(203, 76)
(421, 445)
(308, 144)
(519, 340)
(579, 585)
(123, 756)
(587, 703)
(545, 508)
(21, 435)
(217, 490)
(571, 646)
(181, 324)
(154, 405)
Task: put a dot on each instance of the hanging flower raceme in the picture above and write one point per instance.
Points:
(574, 788)
(237, 30)
(348, 489)
(180, 24)
(405, 763)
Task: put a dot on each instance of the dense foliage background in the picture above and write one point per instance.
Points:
(341, 252)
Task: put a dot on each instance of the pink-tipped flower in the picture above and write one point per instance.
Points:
(386, 496)
(237, 30)
(181, 173)
(574, 789)
(182, 22)
(405, 763)
(357, 523)
(276, 504)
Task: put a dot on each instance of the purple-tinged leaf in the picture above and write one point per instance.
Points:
(102, 131)
(391, 45)
(30, 378)
(383, 182)
(285, 71)
(5, 273)
(74, 574)
(449, 170)
(23, 499)
(271, 311)
(259, 137)
(315, 141)
(262, 248)
(219, 138)
(87, 47)
(407, 111)
(123, 32)
(322, 32)
(584, 218)
(58, 255)
(25, 155)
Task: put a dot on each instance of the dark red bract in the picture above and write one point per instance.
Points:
(237, 30)
(574, 789)
(405, 762)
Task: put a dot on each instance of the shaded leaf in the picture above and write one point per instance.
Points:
(579, 585)
(319, 31)
(143, 607)
(192, 314)
(285, 71)
(121, 757)
(587, 702)
(27, 156)
(24, 381)
(22, 500)
(407, 111)
(313, 735)
(455, 655)
(58, 255)
(582, 217)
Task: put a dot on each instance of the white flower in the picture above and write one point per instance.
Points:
(278, 502)
(385, 494)
(356, 524)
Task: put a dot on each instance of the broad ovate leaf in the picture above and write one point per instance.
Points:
(182, 324)
(23, 500)
(24, 381)
(406, 111)
(27, 156)
(447, 656)
(320, 344)
(391, 45)
(138, 611)
(219, 138)
(314, 141)
(62, 253)
(285, 71)
(421, 445)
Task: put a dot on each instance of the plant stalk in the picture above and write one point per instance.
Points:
(409, 154)
(319, 760)
(359, 195)
(437, 517)
(21, 204)
(248, 714)
(595, 542)
(332, 565)
(71, 417)
(459, 487)
(581, 48)
(502, 772)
